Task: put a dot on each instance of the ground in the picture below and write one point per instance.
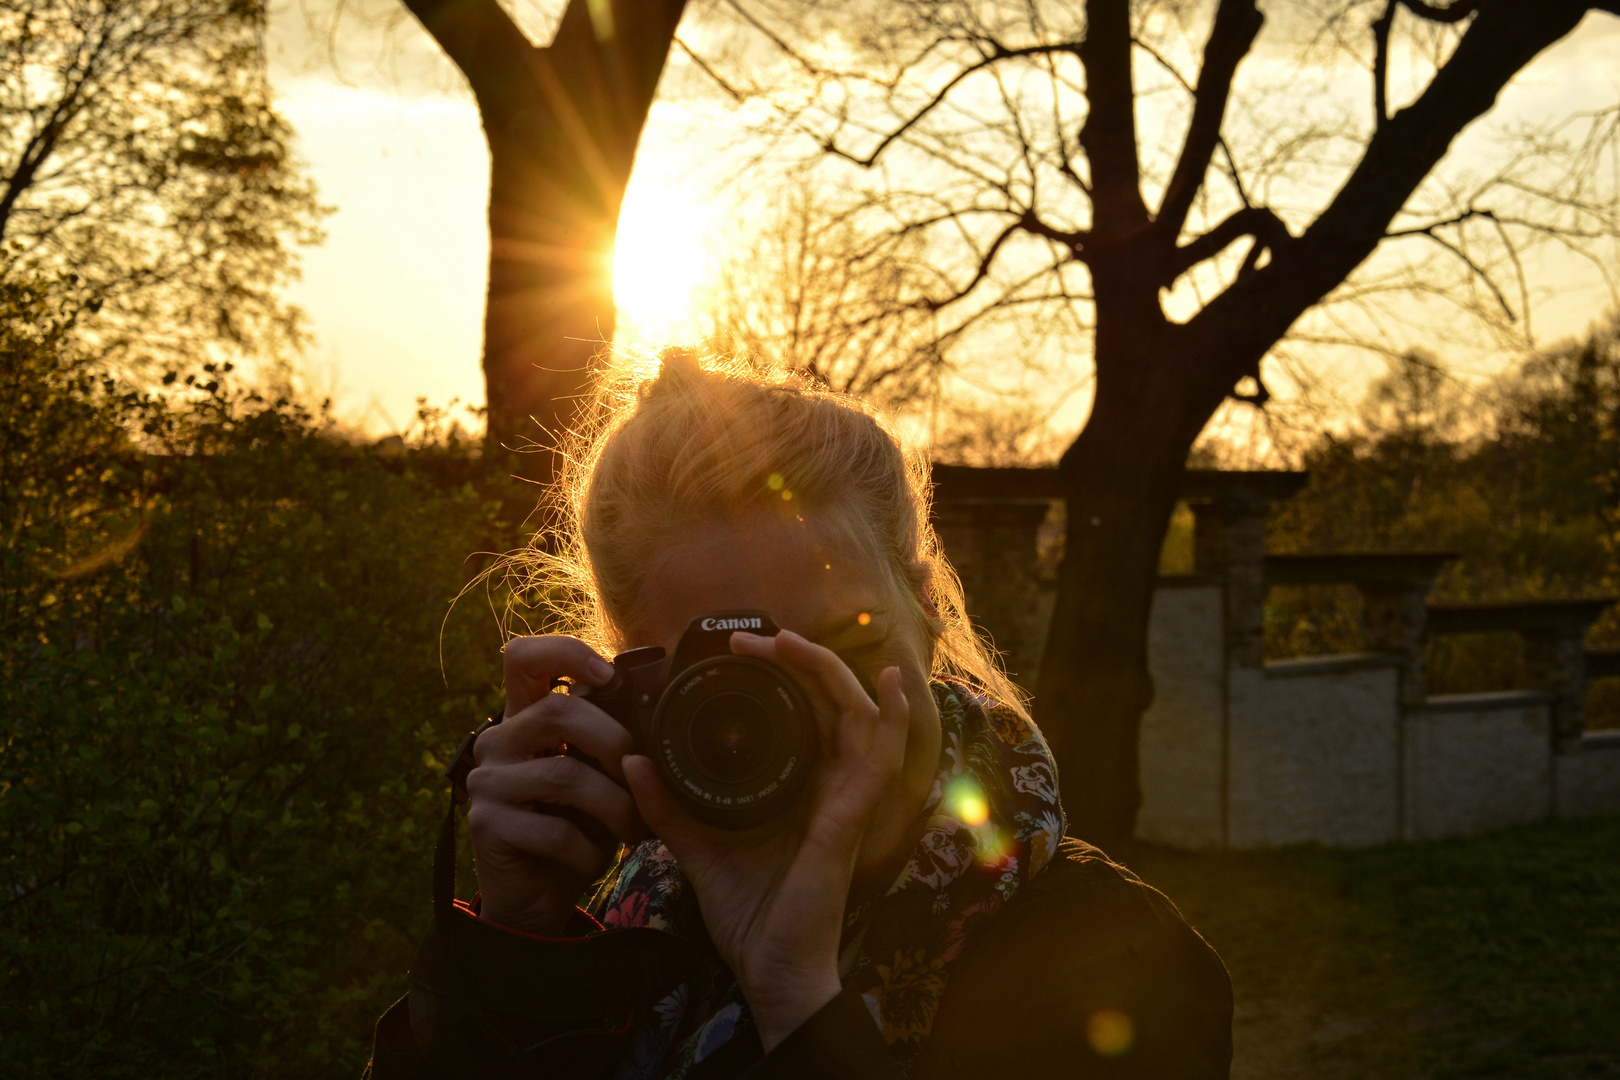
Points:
(1494, 955)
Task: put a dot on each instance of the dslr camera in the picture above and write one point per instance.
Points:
(734, 738)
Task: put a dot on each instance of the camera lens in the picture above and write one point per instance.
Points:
(734, 738)
(730, 737)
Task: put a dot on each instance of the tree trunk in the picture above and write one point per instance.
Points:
(1121, 478)
(562, 123)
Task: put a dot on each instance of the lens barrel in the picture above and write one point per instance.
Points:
(734, 738)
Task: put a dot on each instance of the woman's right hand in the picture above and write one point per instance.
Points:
(533, 865)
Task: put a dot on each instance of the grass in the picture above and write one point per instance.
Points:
(1484, 956)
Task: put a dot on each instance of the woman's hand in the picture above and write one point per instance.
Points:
(773, 898)
(532, 865)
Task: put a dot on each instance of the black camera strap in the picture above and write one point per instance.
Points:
(444, 853)
(567, 981)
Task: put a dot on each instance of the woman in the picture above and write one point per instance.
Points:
(919, 914)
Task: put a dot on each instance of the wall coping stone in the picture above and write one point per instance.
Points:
(1602, 663)
(1475, 617)
(1490, 701)
(1600, 740)
(952, 482)
(1298, 666)
(1359, 567)
(1189, 581)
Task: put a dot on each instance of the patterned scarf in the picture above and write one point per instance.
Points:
(994, 822)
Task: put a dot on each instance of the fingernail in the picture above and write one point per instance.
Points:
(789, 634)
(601, 670)
(746, 634)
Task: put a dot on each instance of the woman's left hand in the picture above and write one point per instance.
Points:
(773, 898)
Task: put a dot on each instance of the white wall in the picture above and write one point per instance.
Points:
(1182, 753)
(1318, 749)
(1588, 780)
(1313, 752)
(1477, 762)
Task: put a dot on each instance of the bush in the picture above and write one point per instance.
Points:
(1523, 482)
(223, 716)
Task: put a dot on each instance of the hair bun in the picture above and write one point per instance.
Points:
(680, 370)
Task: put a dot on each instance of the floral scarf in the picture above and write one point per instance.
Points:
(994, 822)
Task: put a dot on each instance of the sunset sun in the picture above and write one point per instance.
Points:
(659, 258)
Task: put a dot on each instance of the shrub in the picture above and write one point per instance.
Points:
(222, 713)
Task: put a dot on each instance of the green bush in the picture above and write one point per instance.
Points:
(1521, 478)
(223, 715)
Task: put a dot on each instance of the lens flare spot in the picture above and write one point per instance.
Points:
(864, 618)
(995, 847)
(775, 481)
(964, 798)
(1110, 1032)
(786, 495)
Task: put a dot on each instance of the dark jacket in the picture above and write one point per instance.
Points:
(1087, 972)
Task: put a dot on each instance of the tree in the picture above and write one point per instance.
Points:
(799, 282)
(1008, 135)
(139, 151)
(562, 122)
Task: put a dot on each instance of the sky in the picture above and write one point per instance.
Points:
(395, 294)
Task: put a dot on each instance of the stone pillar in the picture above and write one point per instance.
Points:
(1229, 538)
(1555, 660)
(992, 545)
(1394, 619)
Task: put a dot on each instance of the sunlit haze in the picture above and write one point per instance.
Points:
(395, 296)
(659, 260)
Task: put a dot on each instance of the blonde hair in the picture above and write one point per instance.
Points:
(710, 439)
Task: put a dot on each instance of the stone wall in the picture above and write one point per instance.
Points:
(1351, 750)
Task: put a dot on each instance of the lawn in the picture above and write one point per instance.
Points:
(1494, 955)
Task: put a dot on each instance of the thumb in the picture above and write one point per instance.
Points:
(671, 822)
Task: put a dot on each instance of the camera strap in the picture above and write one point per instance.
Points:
(444, 853)
(609, 972)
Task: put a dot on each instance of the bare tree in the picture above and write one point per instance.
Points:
(562, 123)
(1007, 134)
(813, 287)
(140, 152)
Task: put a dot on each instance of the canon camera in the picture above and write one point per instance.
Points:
(734, 738)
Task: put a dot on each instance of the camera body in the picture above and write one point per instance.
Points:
(734, 738)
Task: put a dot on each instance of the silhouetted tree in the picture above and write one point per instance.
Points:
(562, 122)
(1007, 136)
(139, 151)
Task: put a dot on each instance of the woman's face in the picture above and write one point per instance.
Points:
(778, 565)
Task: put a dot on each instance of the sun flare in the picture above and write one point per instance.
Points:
(659, 258)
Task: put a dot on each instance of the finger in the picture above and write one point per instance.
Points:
(549, 724)
(530, 664)
(561, 781)
(496, 827)
(669, 820)
(822, 667)
(893, 729)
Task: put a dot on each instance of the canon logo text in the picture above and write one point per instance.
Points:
(730, 624)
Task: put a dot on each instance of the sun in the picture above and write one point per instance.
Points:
(658, 258)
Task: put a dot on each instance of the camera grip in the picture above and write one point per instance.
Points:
(594, 830)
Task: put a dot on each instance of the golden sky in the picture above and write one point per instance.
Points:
(395, 294)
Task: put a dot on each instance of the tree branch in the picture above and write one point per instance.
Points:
(995, 56)
(1108, 136)
(1237, 22)
(1260, 222)
(1399, 155)
(1380, 74)
(488, 48)
(1453, 13)
(1473, 267)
